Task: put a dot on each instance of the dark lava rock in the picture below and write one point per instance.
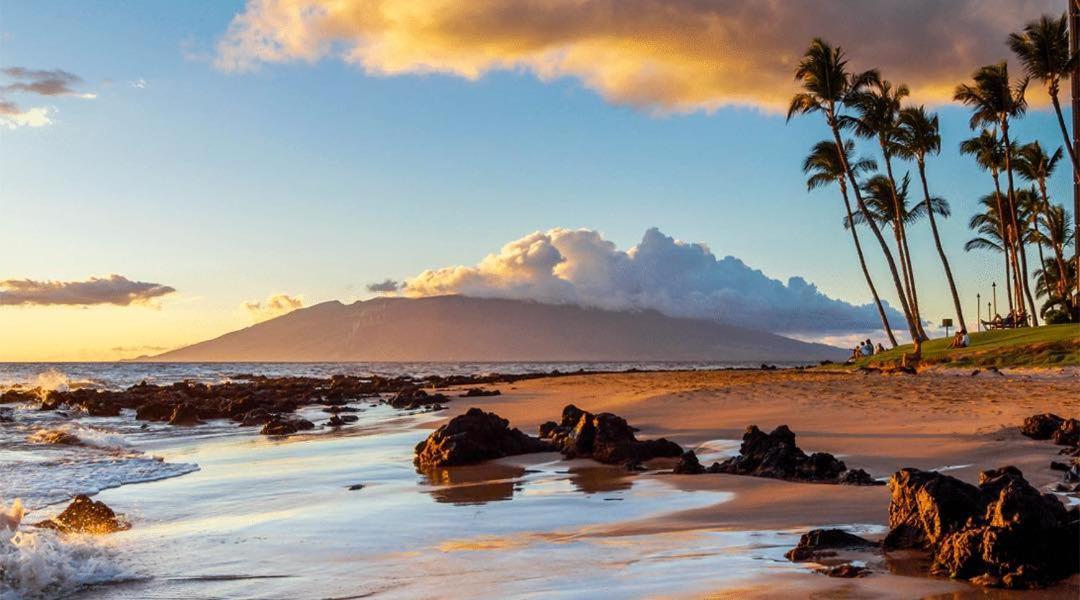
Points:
(154, 411)
(1002, 533)
(283, 426)
(339, 420)
(56, 436)
(1041, 427)
(254, 417)
(1068, 434)
(689, 464)
(356, 486)
(775, 455)
(846, 571)
(185, 415)
(813, 543)
(473, 437)
(414, 398)
(84, 515)
(480, 393)
(604, 437)
(20, 395)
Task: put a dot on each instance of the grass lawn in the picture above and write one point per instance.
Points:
(1047, 346)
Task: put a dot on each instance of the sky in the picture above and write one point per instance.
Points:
(170, 172)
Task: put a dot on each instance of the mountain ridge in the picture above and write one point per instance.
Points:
(465, 329)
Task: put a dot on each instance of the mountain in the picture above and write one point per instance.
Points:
(463, 329)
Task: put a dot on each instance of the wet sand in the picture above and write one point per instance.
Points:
(881, 423)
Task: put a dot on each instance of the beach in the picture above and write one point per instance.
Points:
(275, 517)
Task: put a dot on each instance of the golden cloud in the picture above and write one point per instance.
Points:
(274, 306)
(664, 55)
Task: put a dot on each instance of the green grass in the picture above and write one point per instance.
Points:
(1047, 346)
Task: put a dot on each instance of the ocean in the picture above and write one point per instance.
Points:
(221, 511)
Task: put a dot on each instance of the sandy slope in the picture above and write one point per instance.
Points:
(880, 423)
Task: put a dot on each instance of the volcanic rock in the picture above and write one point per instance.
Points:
(185, 415)
(473, 437)
(1003, 532)
(479, 393)
(813, 543)
(84, 515)
(604, 437)
(775, 455)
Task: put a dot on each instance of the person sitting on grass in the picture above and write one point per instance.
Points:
(965, 339)
(879, 349)
(867, 348)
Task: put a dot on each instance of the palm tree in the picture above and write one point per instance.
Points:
(989, 153)
(1035, 166)
(875, 107)
(1043, 49)
(919, 135)
(1057, 233)
(825, 166)
(826, 83)
(1029, 206)
(995, 100)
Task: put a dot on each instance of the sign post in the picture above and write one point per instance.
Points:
(946, 323)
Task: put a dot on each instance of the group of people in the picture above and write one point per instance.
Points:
(866, 348)
(960, 339)
(1015, 318)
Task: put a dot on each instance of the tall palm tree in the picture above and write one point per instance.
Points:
(875, 109)
(1029, 206)
(1043, 49)
(995, 100)
(989, 153)
(826, 83)
(990, 230)
(825, 166)
(1035, 166)
(1056, 232)
(918, 136)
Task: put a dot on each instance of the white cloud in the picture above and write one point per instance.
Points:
(39, 116)
(676, 278)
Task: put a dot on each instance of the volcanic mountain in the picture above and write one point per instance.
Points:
(465, 329)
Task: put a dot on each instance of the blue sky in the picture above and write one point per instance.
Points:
(316, 179)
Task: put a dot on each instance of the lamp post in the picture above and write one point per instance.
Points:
(994, 286)
(978, 309)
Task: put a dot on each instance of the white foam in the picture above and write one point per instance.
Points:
(42, 563)
(43, 483)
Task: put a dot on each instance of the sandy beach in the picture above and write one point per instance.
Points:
(937, 420)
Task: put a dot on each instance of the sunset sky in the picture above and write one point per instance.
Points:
(217, 163)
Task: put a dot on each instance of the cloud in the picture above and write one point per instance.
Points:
(385, 286)
(680, 279)
(665, 55)
(51, 83)
(274, 306)
(114, 289)
(56, 82)
(138, 84)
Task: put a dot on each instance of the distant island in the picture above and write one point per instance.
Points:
(464, 329)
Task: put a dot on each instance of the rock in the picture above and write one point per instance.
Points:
(846, 571)
(185, 415)
(414, 398)
(814, 542)
(689, 464)
(1068, 434)
(84, 515)
(1041, 427)
(154, 411)
(767, 367)
(926, 506)
(473, 437)
(775, 455)
(283, 426)
(55, 436)
(356, 486)
(14, 395)
(604, 437)
(1003, 532)
(479, 393)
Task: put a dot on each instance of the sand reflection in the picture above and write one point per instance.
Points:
(474, 484)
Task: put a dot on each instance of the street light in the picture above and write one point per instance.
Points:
(978, 308)
(994, 285)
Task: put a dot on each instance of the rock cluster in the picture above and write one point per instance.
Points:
(412, 398)
(604, 437)
(1003, 532)
(479, 393)
(473, 437)
(84, 515)
(1048, 426)
(775, 455)
(286, 426)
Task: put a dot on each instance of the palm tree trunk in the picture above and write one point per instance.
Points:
(1006, 239)
(1065, 134)
(877, 233)
(1012, 215)
(866, 272)
(902, 246)
(940, 250)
